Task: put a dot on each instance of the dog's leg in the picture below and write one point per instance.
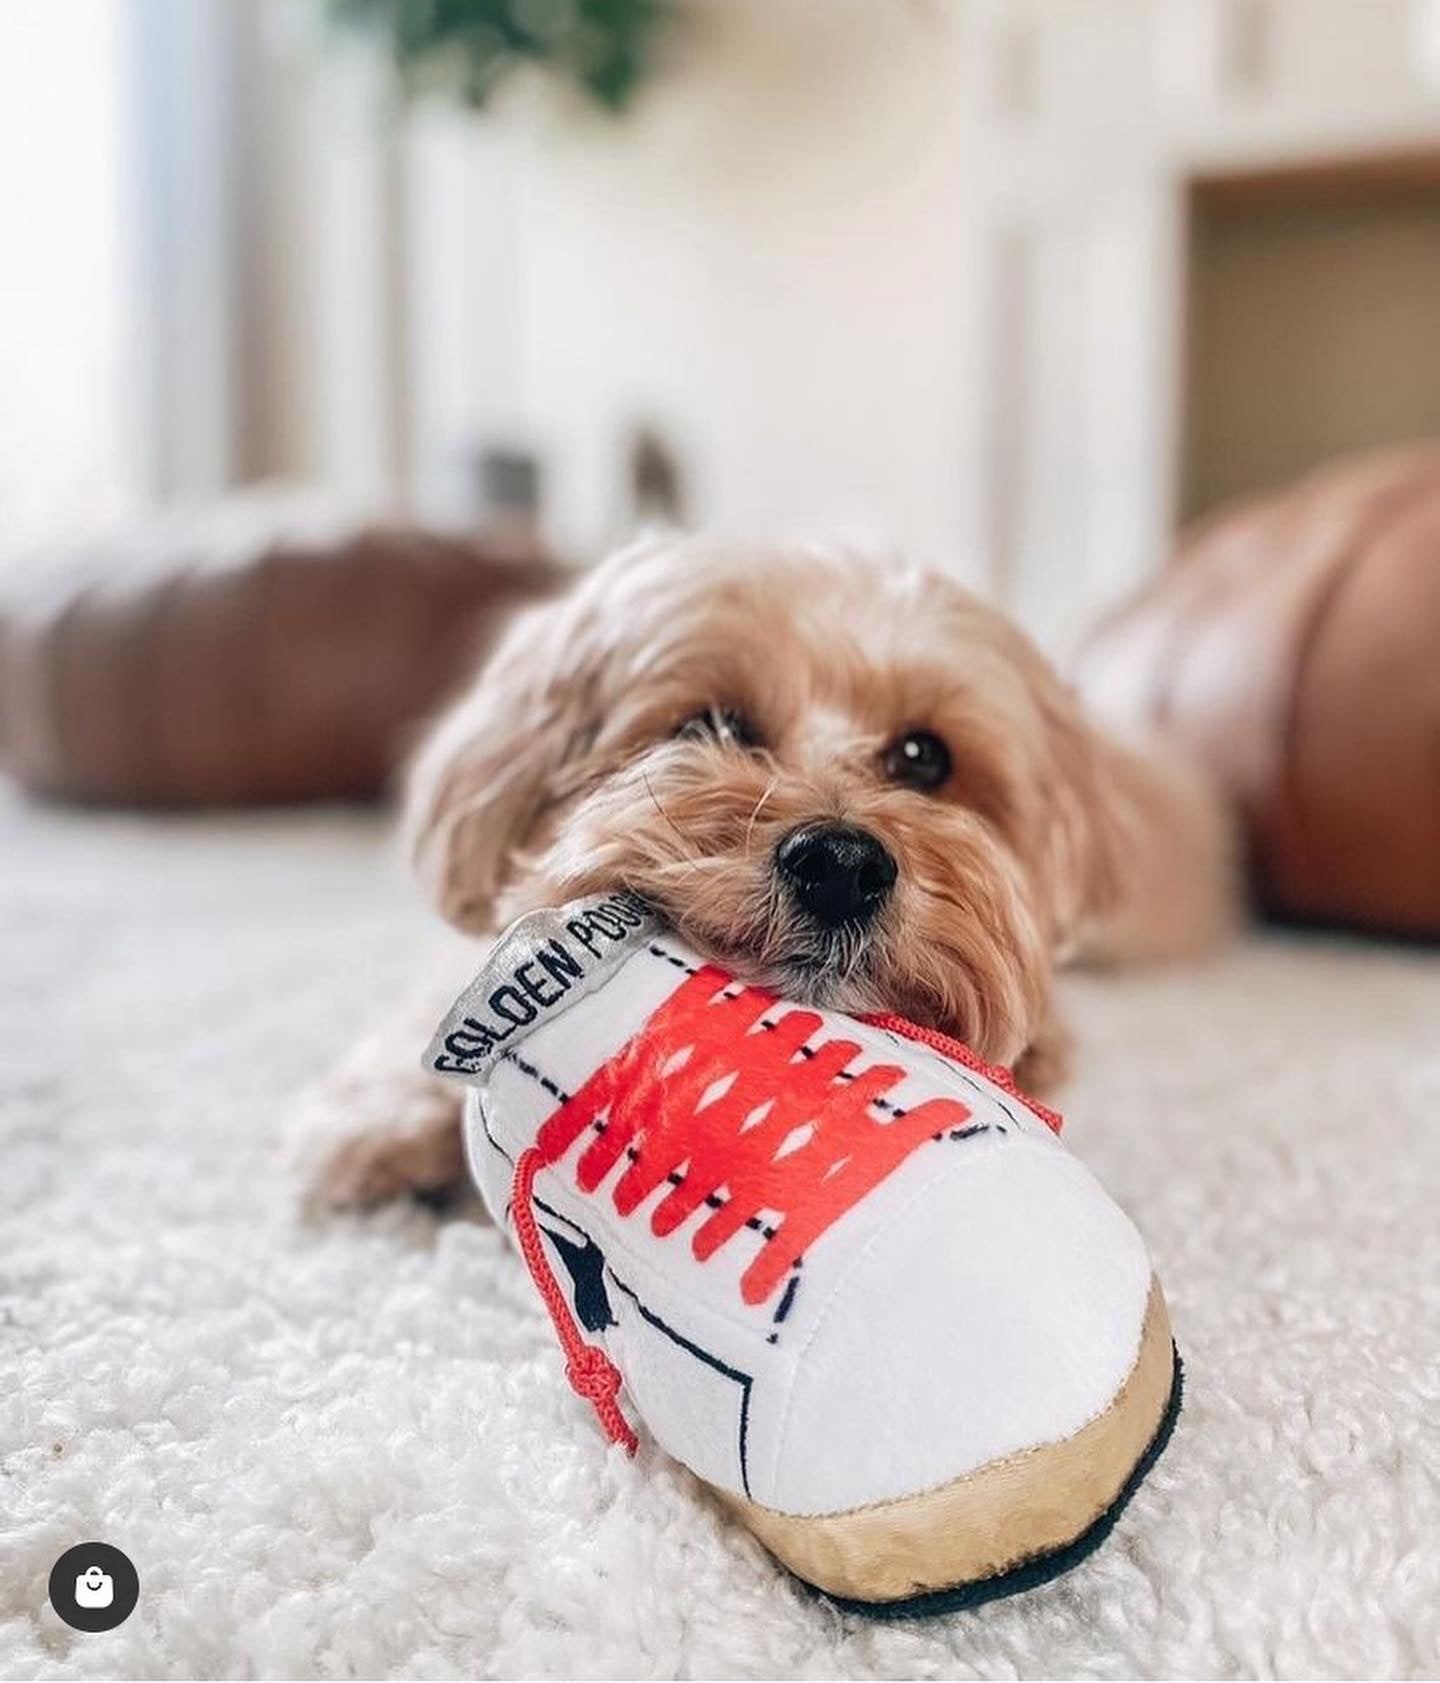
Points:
(1045, 1062)
(378, 1126)
(1174, 879)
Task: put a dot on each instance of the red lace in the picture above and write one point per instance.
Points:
(591, 1373)
(960, 1053)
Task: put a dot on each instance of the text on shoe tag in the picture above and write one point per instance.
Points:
(539, 967)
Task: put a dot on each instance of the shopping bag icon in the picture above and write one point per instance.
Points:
(94, 1588)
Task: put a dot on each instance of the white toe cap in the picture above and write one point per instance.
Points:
(1001, 1307)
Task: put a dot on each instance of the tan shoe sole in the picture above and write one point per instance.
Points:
(1018, 1518)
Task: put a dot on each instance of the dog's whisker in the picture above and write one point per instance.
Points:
(860, 950)
(659, 807)
(756, 810)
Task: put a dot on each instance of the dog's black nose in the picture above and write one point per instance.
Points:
(836, 873)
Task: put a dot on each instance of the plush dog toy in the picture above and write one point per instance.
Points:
(844, 1272)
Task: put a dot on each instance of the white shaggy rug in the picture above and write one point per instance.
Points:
(351, 1452)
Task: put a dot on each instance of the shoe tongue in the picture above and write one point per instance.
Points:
(542, 964)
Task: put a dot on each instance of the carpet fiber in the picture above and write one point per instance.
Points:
(351, 1451)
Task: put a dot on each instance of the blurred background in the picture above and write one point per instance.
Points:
(1022, 287)
(1016, 285)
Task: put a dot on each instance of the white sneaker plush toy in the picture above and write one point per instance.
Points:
(844, 1272)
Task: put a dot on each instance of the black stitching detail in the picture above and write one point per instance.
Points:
(535, 1075)
(967, 1133)
(670, 958)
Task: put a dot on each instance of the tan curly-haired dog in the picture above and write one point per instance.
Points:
(842, 777)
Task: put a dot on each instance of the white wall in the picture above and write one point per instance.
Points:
(913, 269)
(761, 259)
(764, 263)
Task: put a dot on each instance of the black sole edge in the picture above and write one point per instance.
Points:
(1039, 1569)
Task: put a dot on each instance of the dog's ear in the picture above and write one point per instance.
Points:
(494, 765)
(520, 742)
(1083, 845)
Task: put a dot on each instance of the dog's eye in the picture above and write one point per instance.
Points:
(720, 724)
(918, 758)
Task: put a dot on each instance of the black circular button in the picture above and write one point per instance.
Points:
(94, 1586)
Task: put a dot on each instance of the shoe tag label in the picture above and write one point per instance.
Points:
(539, 967)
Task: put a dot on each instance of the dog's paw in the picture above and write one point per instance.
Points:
(354, 1143)
(1045, 1062)
(376, 1167)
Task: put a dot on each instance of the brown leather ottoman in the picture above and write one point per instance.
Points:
(1294, 643)
(266, 648)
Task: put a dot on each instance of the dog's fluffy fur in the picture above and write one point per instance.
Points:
(568, 768)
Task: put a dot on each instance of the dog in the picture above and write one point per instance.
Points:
(839, 776)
